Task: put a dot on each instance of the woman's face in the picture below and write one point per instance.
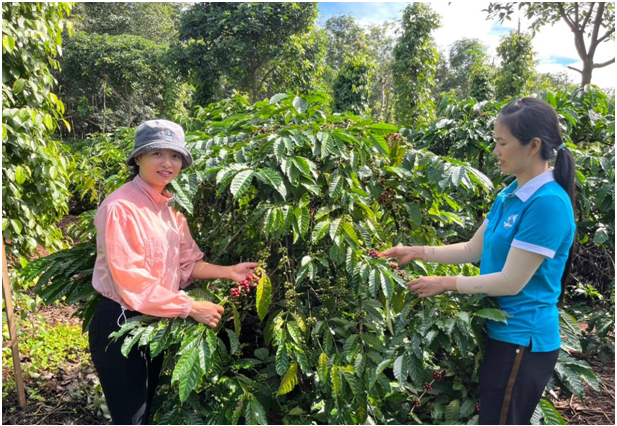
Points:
(512, 156)
(158, 168)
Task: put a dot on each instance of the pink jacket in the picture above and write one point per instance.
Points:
(145, 252)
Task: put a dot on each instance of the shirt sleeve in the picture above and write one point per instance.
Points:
(544, 226)
(189, 252)
(134, 282)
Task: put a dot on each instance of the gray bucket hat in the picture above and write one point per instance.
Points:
(160, 134)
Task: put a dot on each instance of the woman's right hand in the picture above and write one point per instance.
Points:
(405, 254)
(206, 313)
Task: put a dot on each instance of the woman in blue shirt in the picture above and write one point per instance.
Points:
(524, 247)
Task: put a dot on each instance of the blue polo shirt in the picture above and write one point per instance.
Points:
(536, 217)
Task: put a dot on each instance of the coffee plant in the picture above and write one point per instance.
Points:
(332, 334)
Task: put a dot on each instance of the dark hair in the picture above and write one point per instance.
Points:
(529, 118)
(134, 173)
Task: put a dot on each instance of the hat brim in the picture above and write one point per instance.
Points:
(187, 158)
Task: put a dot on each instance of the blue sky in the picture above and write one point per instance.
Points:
(554, 45)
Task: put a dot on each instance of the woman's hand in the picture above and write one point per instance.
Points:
(206, 313)
(432, 286)
(241, 270)
(405, 254)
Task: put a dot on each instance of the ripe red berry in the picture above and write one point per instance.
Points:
(428, 387)
(478, 407)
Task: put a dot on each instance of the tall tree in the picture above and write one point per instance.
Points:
(352, 86)
(154, 21)
(34, 169)
(515, 77)
(244, 43)
(381, 44)
(110, 81)
(591, 23)
(344, 37)
(464, 56)
(415, 60)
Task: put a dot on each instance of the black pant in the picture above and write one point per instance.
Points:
(512, 380)
(129, 383)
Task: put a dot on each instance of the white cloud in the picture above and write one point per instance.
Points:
(554, 45)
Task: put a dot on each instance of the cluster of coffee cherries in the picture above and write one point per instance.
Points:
(374, 254)
(244, 286)
(428, 387)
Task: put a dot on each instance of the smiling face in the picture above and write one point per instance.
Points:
(158, 168)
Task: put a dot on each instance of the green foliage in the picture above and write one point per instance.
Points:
(481, 82)
(109, 81)
(255, 48)
(464, 55)
(515, 76)
(309, 193)
(34, 167)
(592, 23)
(413, 69)
(352, 86)
(47, 348)
(154, 21)
(344, 37)
(588, 116)
(99, 167)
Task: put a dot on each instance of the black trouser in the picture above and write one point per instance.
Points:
(129, 383)
(512, 380)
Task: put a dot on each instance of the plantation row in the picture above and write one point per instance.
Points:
(333, 335)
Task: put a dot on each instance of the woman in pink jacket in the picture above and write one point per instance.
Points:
(145, 256)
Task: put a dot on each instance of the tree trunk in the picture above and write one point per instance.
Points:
(587, 70)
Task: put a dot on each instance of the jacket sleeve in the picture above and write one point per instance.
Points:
(189, 252)
(139, 288)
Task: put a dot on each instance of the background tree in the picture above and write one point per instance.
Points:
(454, 70)
(591, 22)
(110, 81)
(227, 46)
(352, 86)
(34, 169)
(415, 60)
(154, 21)
(381, 44)
(515, 77)
(115, 70)
(344, 37)
(481, 79)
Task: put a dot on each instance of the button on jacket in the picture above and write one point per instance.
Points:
(145, 252)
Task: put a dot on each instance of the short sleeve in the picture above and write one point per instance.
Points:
(545, 225)
(189, 252)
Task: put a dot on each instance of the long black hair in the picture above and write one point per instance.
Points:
(529, 118)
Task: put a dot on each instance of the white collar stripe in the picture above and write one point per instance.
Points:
(530, 188)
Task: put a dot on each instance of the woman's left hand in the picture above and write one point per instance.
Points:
(432, 286)
(241, 270)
